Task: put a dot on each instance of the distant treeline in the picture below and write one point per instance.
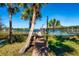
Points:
(20, 28)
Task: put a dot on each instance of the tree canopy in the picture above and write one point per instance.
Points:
(54, 23)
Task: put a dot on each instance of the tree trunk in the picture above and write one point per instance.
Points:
(47, 33)
(54, 26)
(30, 23)
(10, 30)
(22, 50)
(10, 22)
(0, 24)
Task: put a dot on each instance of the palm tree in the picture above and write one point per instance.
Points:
(27, 14)
(12, 9)
(1, 24)
(35, 10)
(54, 23)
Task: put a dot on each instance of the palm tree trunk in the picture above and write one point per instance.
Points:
(47, 33)
(10, 23)
(54, 26)
(30, 23)
(10, 30)
(22, 50)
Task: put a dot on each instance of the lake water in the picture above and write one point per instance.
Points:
(35, 30)
(51, 32)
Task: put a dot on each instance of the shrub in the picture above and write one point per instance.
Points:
(16, 37)
(3, 35)
(19, 38)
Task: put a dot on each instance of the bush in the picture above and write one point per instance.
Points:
(19, 38)
(3, 35)
(16, 37)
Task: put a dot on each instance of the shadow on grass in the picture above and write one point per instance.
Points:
(74, 40)
(59, 49)
(62, 39)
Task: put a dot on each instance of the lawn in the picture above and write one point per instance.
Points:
(13, 49)
(63, 46)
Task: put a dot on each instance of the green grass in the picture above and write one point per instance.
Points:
(66, 47)
(73, 45)
(3, 35)
(13, 49)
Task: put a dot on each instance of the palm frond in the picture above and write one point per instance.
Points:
(24, 5)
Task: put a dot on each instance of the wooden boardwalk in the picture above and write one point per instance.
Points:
(40, 48)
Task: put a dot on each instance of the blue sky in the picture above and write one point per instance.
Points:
(68, 14)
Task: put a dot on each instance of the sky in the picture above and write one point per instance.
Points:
(68, 14)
